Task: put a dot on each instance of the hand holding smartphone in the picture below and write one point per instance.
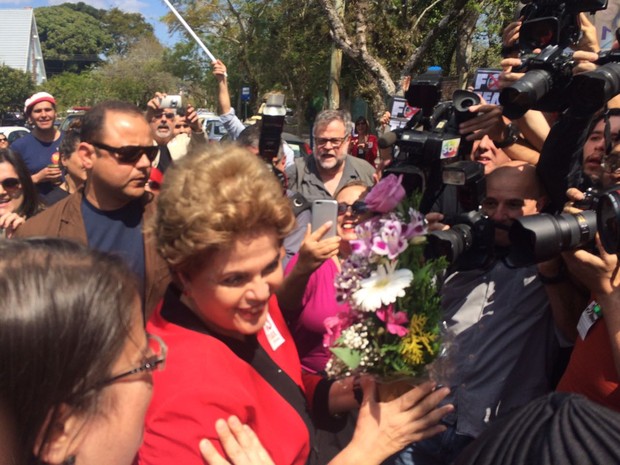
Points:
(324, 210)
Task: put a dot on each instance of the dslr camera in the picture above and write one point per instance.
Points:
(538, 238)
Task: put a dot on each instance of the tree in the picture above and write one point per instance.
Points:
(398, 38)
(136, 76)
(126, 29)
(266, 44)
(15, 87)
(70, 39)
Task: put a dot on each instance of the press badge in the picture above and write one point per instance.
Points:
(588, 318)
(273, 334)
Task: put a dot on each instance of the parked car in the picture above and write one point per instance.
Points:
(300, 146)
(72, 115)
(13, 118)
(13, 133)
(213, 128)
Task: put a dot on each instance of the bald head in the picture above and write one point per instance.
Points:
(520, 174)
(513, 191)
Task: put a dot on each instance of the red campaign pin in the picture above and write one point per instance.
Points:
(493, 82)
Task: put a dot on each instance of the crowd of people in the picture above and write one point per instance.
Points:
(164, 298)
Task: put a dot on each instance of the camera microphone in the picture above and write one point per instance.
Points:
(387, 139)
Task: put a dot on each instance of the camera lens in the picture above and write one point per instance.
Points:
(537, 238)
(608, 214)
(590, 91)
(450, 243)
(525, 93)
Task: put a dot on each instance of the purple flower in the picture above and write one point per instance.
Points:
(393, 320)
(386, 194)
(390, 241)
(362, 245)
(416, 226)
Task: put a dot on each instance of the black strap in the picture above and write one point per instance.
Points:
(299, 203)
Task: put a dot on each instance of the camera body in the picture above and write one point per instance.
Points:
(171, 101)
(544, 85)
(469, 243)
(430, 140)
(553, 22)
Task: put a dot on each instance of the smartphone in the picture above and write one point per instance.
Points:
(171, 101)
(324, 210)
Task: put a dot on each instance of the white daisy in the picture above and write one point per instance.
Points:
(383, 287)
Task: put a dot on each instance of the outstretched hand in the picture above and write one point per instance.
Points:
(240, 444)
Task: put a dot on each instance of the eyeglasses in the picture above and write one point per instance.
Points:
(3, 139)
(611, 162)
(168, 115)
(335, 141)
(357, 208)
(157, 361)
(10, 184)
(130, 153)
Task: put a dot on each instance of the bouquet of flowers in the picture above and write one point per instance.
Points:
(392, 327)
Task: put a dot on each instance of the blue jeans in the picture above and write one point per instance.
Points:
(441, 449)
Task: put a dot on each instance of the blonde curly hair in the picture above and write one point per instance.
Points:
(211, 198)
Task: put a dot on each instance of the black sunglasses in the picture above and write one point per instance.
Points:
(3, 139)
(129, 153)
(10, 183)
(357, 208)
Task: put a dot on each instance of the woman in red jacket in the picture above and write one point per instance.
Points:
(220, 223)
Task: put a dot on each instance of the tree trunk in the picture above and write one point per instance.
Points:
(464, 46)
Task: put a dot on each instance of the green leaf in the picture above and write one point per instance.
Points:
(351, 358)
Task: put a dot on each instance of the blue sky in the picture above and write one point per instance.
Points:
(152, 10)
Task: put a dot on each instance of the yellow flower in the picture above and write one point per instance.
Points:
(417, 342)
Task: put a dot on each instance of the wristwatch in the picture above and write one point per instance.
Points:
(512, 135)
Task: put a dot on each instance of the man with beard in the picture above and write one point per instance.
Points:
(330, 168)
(39, 149)
(162, 122)
(108, 214)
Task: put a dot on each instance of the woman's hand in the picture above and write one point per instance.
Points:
(384, 428)
(315, 250)
(239, 442)
(10, 222)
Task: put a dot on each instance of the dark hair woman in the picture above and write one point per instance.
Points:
(75, 361)
(19, 198)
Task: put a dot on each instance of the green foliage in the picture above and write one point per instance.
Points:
(71, 89)
(126, 29)
(133, 78)
(15, 87)
(70, 35)
(265, 44)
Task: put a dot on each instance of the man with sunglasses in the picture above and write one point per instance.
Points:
(39, 149)
(108, 214)
(330, 168)
(172, 145)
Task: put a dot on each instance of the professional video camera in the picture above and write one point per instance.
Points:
(553, 22)
(538, 238)
(430, 140)
(550, 25)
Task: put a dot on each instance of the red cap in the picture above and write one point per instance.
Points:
(38, 98)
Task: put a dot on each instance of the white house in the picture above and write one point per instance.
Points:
(19, 43)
